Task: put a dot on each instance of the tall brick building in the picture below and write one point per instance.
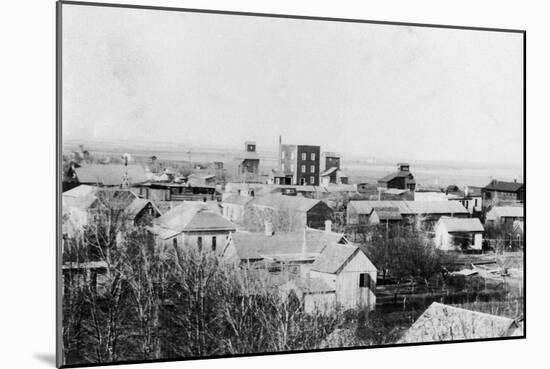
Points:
(298, 165)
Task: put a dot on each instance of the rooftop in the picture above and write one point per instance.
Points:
(333, 257)
(193, 216)
(506, 212)
(462, 224)
(259, 245)
(277, 201)
(446, 323)
(503, 186)
(411, 207)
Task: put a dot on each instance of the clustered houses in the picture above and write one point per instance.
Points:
(364, 213)
(283, 229)
(320, 267)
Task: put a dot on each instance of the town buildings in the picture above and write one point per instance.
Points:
(298, 165)
(195, 225)
(367, 212)
(402, 179)
(501, 192)
(458, 234)
(504, 215)
(248, 168)
(319, 266)
(288, 213)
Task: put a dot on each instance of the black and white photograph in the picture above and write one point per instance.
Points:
(235, 184)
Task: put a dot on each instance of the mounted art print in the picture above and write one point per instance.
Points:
(235, 184)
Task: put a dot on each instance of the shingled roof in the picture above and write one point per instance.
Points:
(505, 212)
(462, 224)
(277, 201)
(259, 245)
(448, 323)
(411, 207)
(403, 174)
(503, 186)
(333, 257)
(193, 216)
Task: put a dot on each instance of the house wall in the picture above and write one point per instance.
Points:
(317, 215)
(319, 302)
(305, 176)
(346, 283)
(233, 212)
(191, 240)
(446, 241)
(348, 292)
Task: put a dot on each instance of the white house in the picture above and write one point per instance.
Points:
(458, 234)
(193, 224)
(347, 270)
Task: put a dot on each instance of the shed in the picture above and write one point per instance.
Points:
(459, 234)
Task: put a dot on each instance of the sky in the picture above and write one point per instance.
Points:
(363, 90)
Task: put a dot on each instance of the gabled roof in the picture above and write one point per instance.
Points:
(237, 200)
(333, 257)
(403, 174)
(329, 171)
(111, 174)
(505, 212)
(503, 186)
(448, 323)
(259, 245)
(411, 207)
(193, 216)
(462, 224)
(80, 190)
(277, 201)
(137, 205)
(388, 213)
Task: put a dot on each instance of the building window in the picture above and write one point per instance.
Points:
(475, 203)
(199, 243)
(292, 155)
(311, 180)
(366, 281)
(282, 154)
(303, 169)
(312, 156)
(175, 242)
(312, 168)
(214, 243)
(292, 167)
(304, 156)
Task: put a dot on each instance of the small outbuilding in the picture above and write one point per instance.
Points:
(459, 234)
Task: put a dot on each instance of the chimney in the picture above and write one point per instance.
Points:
(268, 228)
(328, 226)
(515, 180)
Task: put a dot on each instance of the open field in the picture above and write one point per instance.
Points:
(358, 169)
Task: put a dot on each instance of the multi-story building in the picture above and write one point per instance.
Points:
(298, 165)
(249, 163)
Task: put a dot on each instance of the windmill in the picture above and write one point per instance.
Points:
(125, 180)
